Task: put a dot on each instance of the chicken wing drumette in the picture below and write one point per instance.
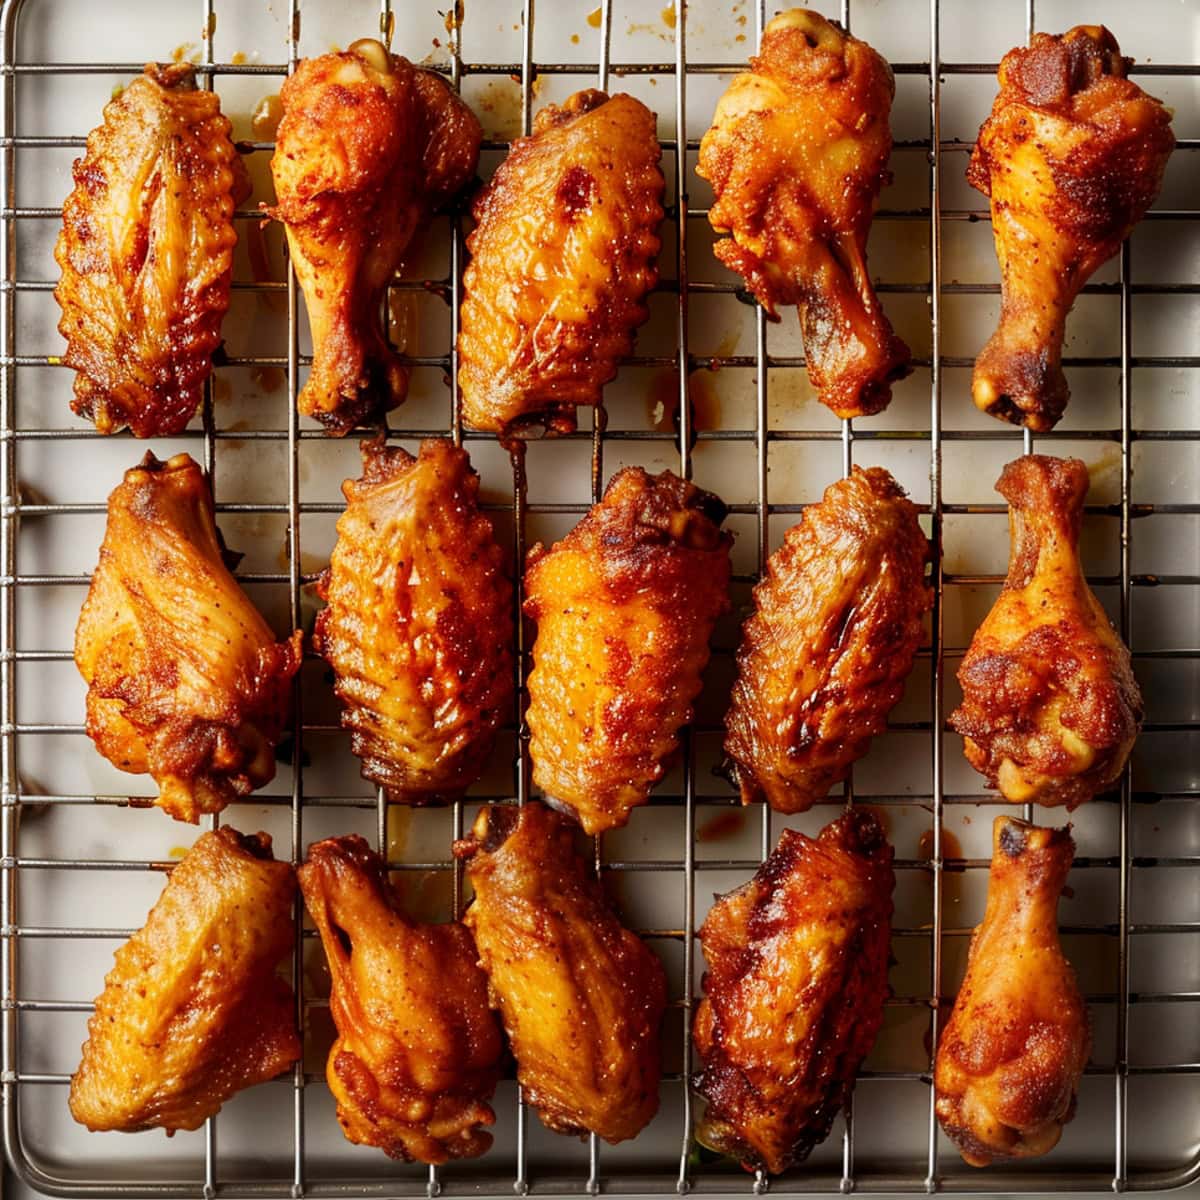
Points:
(368, 148)
(797, 155)
(146, 253)
(185, 679)
(1050, 705)
(562, 257)
(1072, 156)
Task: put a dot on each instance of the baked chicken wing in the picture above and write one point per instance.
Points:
(1011, 1056)
(580, 996)
(185, 679)
(793, 996)
(368, 148)
(836, 623)
(419, 623)
(146, 253)
(1050, 705)
(797, 155)
(562, 257)
(625, 605)
(194, 1008)
(1072, 156)
(418, 1050)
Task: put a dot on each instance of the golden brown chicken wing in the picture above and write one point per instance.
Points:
(836, 623)
(1050, 706)
(797, 155)
(562, 257)
(625, 605)
(418, 1050)
(368, 148)
(194, 1009)
(419, 623)
(1012, 1053)
(1072, 156)
(580, 996)
(185, 679)
(793, 997)
(146, 253)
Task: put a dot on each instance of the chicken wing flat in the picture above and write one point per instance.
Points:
(581, 996)
(625, 606)
(185, 679)
(368, 148)
(146, 253)
(793, 997)
(1072, 156)
(562, 257)
(836, 624)
(797, 155)
(1050, 706)
(419, 624)
(1011, 1056)
(194, 1009)
(418, 1050)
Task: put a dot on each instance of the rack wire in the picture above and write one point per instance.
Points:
(679, 1170)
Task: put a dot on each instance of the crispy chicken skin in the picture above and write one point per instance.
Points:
(419, 624)
(146, 253)
(418, 1050)
(625, 605)
(562, 257)
(194, 1009)
(1050, 706)
(1011, 1056)
(797, 155)
(793, 996)
(581, 996)
(1072, 156)
(837, 620)
(368, 148)
(185, 679)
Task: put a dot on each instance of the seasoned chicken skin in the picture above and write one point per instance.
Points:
(562, 257)
(581, 997)
(793, 996)
(797, 155)
(418, 1050)
(146, 253)
(194, 1008)
(1050, 706)
(419, 624)
(1011, 1056)
(1072, 156)
(368, 148)
(625, 605)
(836, 623)
(185, 679)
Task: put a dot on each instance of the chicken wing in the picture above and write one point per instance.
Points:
(369, 147)
(625, 605)
(194, 1009)
(419, 624)
(418, 1050)
(793, 996)
(185, 679)
(1011, 1056)
(797, 155)
(146, 253)
(823, 660)
(1072, 156)
(580, 996)
(1050, 706)
(562, 257)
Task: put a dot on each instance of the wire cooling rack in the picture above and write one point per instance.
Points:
(71, 854)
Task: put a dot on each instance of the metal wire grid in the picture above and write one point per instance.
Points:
(680, 1176)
